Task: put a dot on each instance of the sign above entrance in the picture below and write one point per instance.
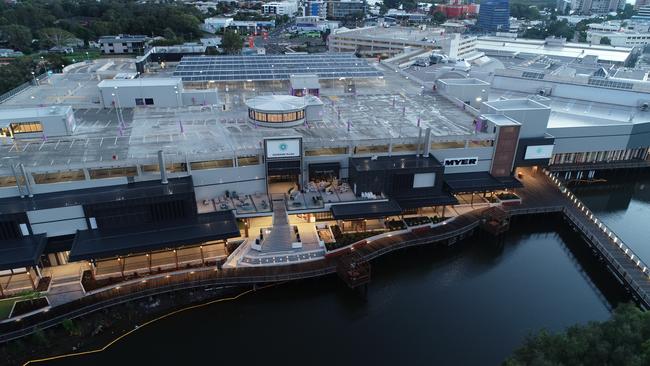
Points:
(539, 152)
(282, 148)
(461, 161)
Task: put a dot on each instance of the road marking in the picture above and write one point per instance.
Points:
(40, 147)
(101, 142)
(57, 144)
(72, 143)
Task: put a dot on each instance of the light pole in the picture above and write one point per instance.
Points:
(118, 110)
(34, 77)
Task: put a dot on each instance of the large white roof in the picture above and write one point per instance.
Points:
(276, 103)
(541, 47)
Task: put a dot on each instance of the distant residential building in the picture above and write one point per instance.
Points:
(640, 3)
(123, 43)
(596, 6)
(288, 8)
(340, 9)
(459, 47)
(627, 39)
(214, 25)
(8, 52)
(211, 42)
(456, 9)
(62, 49)
(643, 14)
(314, 24)
(315, 8)
(494, 15)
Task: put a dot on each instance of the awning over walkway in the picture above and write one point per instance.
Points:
(510, 182)
(22, 252)
(96, 244)
(417, 202)
(365, 210)
(478, 182)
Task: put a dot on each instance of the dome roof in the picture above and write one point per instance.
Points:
(276, 103)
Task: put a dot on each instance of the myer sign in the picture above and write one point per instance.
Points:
(461, 161)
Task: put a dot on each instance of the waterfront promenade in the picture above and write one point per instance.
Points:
(542, 193)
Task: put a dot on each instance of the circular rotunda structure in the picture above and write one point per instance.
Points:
(276, 110)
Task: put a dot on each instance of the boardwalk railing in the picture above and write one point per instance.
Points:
(149, 288)
(589, 225)
(420, 241)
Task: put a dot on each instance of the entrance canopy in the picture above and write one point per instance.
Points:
(365, 210)
(97, 244)
(427, 201)
(21, 252)
(478, 182)
(288, 167)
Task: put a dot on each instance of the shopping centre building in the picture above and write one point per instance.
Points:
(150, 188)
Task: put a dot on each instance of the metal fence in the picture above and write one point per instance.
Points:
(8, 95)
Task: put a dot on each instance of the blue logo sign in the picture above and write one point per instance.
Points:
(283, 146)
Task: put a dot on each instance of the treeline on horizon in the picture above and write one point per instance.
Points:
(22, 24)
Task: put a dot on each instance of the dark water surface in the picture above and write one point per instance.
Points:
(623, 204)
(425, 306)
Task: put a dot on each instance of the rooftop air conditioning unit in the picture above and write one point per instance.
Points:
(545, 92)
(644, 105)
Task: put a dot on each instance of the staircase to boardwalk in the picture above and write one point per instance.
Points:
(280, 237)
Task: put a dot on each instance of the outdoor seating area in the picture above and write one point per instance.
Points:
(243, 204)
(160, 261)
(17, 280)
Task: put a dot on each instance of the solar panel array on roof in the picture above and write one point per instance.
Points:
(273, 67)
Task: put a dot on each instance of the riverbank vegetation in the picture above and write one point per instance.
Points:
(97, 329)
(622, 340)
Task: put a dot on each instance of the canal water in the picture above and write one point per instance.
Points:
(472, 305)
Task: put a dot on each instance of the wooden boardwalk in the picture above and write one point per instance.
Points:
(542, 193)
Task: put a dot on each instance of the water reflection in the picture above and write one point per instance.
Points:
(467, 306)
(623, 204)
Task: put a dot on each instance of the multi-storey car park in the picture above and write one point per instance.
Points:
(165, 173)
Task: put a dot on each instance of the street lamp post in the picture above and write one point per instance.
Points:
(118, 109)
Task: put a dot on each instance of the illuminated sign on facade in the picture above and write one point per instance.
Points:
(452, 162)
(539, 152)
(283, 148)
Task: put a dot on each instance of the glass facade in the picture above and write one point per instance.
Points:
(26, 127)
(600, 156)
(280, 117)
(494, 15)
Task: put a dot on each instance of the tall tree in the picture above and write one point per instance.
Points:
(55, 37)
(17, 36)
(622, 340)
(231, 42)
